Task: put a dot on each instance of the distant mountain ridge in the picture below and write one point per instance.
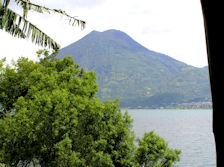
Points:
(135, 74)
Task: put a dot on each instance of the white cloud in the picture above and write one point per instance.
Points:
(173, 27)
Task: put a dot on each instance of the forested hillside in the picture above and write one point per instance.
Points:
(136, 75)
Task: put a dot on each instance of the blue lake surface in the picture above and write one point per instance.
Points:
(187, 130)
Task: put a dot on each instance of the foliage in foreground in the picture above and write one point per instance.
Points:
(50, 116)
(18, 26)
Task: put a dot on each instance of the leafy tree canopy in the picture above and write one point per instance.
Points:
(50, 116)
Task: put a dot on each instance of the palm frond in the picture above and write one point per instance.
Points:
(27, 5)
(5, 3)
(18, 26)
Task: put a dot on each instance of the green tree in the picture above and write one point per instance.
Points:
(50, 116)
(19, 26)
(153, 151)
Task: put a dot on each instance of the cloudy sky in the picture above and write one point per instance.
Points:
(172, 27)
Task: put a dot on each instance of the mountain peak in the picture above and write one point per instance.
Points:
(113, 30)
(112, 33)
(94, 31)
(107, 31)
(118, 34)
(138, 76)
(113, 38)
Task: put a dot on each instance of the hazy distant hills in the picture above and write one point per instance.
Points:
(135, 74)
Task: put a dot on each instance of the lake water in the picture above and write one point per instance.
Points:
(187, 130)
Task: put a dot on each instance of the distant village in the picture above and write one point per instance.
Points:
(190, 105)
(205, 105)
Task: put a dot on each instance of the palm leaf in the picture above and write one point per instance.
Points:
(18, 26)
(5, 3)
(27, 5)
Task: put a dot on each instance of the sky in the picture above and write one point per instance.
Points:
(172, 27)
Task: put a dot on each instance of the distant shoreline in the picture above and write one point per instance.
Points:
(163, 108)
(187, 106)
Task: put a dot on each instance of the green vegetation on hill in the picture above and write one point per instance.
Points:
(137, 76)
